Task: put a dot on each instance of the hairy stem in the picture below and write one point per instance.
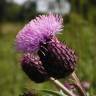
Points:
(61, 86)
(77, 81)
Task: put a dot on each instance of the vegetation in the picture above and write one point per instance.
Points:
(79, 33)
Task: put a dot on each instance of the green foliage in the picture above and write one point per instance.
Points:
(12, 12)
(53, 93)
(81, 36)
(27, 11)
(78, 33)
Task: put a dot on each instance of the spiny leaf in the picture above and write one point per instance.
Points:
(54, 93)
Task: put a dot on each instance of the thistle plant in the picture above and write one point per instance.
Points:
(44, 56)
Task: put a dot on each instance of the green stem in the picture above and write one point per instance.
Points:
(77, 81)
(61, 86)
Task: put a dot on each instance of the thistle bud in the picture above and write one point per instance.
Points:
(32, 66)
(57, 58)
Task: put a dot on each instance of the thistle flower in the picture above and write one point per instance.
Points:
(36, 31)
(57, 58)
(38, 37)
(33, 68)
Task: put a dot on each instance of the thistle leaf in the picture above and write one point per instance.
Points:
(54, 93)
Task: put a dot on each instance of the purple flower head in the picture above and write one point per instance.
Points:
(33, 68)
(57, 58)
(36, 31)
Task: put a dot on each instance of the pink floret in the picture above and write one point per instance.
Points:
(36, 31)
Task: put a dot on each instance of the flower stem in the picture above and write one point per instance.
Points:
(60, 85)
(77, 81)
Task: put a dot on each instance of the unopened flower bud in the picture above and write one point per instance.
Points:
(32, 66)
(57, 58)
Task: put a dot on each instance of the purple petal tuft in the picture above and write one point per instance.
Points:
(36, 31)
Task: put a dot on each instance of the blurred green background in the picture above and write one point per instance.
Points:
(79, 33)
